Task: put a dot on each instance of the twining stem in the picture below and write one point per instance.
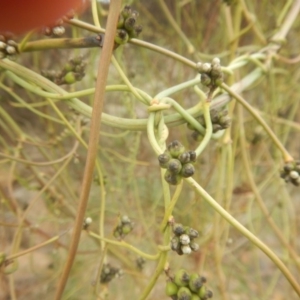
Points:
(52, 240)
(170, 207)
(286, 155)
(103, 68)
(208, 132)
(125, 245)
(249, 235)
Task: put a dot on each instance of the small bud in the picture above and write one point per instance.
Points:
(294, 174)
(184, 239)
(125, 219)
(216, 61)
(206, 67)
(178, 229)
(191, 232)
(58, 30)
(205, 79)
(186, 249)
(121, 20)
(11, 50)
(194, 246)
(2, 45)
(175, 243)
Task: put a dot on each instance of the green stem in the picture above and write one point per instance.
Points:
(125, 245)
(250, 236)
(286, 155)
(208, 131)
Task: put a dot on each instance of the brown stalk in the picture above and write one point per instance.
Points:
(104, 62)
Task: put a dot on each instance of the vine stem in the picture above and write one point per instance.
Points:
(286, 155)
(103, 68)
(249, 235)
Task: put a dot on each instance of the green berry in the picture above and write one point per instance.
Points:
(173, 179)
(70, 78)
(195, 297)
(171, 288)
(126, 229)
(126, 12)
(184, 294)
(202, 292)
(193, 156)
(194, 246)
(184, 157)
(187, 170)
(175, 243)
(195, 282)
(181, 278)
(129, 24)
(174, 166)
(121, 20)
(178, 229)
(191, 232)
(176, 148)
(121, 37)
(163, 159)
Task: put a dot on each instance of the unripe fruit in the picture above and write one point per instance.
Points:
(69, 78)
(163, 159)
(181, 278)
(187, 170)
(202, 292)
(184, 157)
(195, 282)
(194, 246)
(195, 297)
(178, 229)
(175, 243)
(171, 288)
(121, 37)
(174, 166)
(176, 148)
(191, 232)
(173, 179)
(184, 294)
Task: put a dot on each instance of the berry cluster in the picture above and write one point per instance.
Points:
(187, 287)
(108, 273)
(74, 70)
(127, 27)
(178, 162)
(8, 48)
(183, 240)
(219, 119)
(291, 173)
(124, 227)
(211, 73)
(58, 29)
